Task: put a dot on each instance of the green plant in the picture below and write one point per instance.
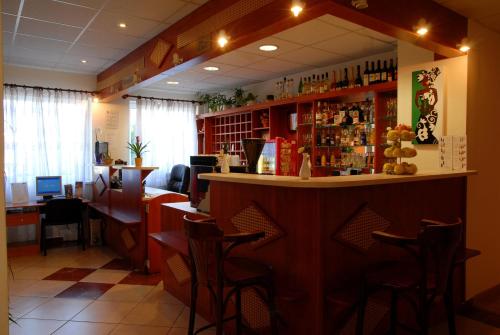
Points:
(138, 148)
(239, 97)
(250, 97)
(215, 102)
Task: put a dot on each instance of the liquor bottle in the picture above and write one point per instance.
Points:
(378, 72)
(301, 87)
(340, 83)
(359, 81)
(327, 139)
(366, 75)
(390, 72)
(384, 72)
(396, 70)
(326, 84)
(323, 160)
(321, 84)
(333, 84)
(352, 79)
(372, 74)
(347, 119)
(345, 83)
(323, 138)
(363, 137)
(313, 85)
(318, 139)
(318, 115)
(332, 140)
(332, 159)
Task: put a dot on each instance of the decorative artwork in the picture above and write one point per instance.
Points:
(427, 105)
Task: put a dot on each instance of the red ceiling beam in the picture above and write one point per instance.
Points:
(138, 70)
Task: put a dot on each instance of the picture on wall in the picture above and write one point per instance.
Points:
(427, 105)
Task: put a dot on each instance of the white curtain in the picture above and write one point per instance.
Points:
(47, 133)
(169, 128)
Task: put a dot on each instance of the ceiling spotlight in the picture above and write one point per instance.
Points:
(172, 83)
(122, 25)
(297, 7)
(84, 61)
(464, 45)
(422, 27)
(360, 4)
(268, 47)
(222, 39)
(211, 68)
(464, 48)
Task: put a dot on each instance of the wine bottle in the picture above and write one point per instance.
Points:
(326, 84)
(340, 82)
(352, 78)
(383, 78)
(313, 85)
(321, 84)
(358, 82)
(378, 72)
(390, 72)
(366, 75)
(396, 70)
(301, 87)
(372, 74)
(346, 79)
(333, 84)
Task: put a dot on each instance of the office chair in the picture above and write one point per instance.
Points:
(179, 179)
(62, 212)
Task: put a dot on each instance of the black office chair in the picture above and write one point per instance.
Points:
(179, 179)
(62, 212)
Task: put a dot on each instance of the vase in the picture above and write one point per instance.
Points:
(224, 168)
(305, 168)
(252, 147)
(138, 162)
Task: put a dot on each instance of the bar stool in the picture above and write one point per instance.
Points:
(427, 276)
(212, 267)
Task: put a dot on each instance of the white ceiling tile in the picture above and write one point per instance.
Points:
(48, 30)
(239, 58)
(283, 46)
(158, 10)
(58, 12)
(7, 43)
(243, 72)
(111, 40)
(160, 27)
(354, 46)
(83, 50)
(312, 56)
(311, 32)
(96, 4)
(223, 68)
(376, 35)
(92, 62)
(338, 22)
(39, 43)
(108, 22)
(47, 55)
(224, 81)
(181, 12)
(11, 6)
(8, 22)
(76, 69)
(29, 61)
(278, 66)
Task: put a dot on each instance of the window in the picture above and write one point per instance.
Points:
(169, 129)
(47, 133)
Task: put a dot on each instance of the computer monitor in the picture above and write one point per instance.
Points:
(48, 186)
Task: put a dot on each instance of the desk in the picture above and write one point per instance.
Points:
(23, 214)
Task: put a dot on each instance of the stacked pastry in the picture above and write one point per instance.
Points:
(394, 138)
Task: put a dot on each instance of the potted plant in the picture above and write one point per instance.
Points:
(106, 159)
(239, 97)
(138, 148)
(250, 99)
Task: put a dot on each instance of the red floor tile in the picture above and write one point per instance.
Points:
(137, 278)
(118, 264)
(70, 274)
(85, 290)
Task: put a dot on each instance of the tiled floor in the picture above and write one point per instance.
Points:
(90, 292)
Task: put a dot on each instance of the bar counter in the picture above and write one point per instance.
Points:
(318, 232)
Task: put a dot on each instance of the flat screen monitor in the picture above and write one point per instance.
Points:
(48, 186)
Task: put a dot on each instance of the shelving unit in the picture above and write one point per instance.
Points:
(232, 125)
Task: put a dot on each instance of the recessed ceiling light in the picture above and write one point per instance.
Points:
(464, 48)
(422, 31)
(297, 7)
(172, 83)
(211, 68)
(222, 39)
(268, 47)
(122, 25)
(422, 27)
(83, 61)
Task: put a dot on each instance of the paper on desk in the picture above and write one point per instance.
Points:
(19, 193)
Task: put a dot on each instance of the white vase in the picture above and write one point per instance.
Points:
(305, 169)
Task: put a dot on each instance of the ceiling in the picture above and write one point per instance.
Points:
(323, 41)
(486, 12)
(58, 34)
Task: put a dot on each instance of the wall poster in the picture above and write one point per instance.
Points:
(427, 105)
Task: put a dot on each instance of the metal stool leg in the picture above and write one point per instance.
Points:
(239, 321)
(192, 311)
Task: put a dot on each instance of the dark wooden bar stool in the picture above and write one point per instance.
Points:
(421, 280)
(212, 266)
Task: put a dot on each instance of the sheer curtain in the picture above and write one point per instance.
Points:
(169, 128)
(47, 133)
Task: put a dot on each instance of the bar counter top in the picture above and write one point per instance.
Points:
(332, 182)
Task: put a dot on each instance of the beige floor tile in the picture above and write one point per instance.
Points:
(183, 320)
(130, 293)
(59, 309)
(45, 288)
(20, 306)
(105, 311)
(183, 331)
(106, 276)
(93, 262)
(18, 263)
(153, 314)
(34, 327)
(86, 328)
(35, 272)
(159, 295)
(140, 330)
(17, 286)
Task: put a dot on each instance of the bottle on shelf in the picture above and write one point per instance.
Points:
(396, 70)
(345, 83)
(340, 82)
(326, 84)
(359, 81)
(321, 84)
(384, 72)
(333, 84)
(378, 72)
(318, 115)
(323, 159)
(301, 87)
(390, 71)
(332, 159)
(372, 74)
(352, 78)
(313, 85)
(366, 75)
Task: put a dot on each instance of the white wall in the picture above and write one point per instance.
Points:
(453, 118)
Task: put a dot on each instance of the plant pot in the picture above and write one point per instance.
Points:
(138, 162)
(108, 161)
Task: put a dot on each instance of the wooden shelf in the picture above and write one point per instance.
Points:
(173, 239)
(115, 214)
(261, 128)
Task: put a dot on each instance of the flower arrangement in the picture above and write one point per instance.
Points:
(138, 148)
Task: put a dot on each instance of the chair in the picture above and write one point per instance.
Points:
(62, 212)
(212, 267)
(179, 179)
(427, 275)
